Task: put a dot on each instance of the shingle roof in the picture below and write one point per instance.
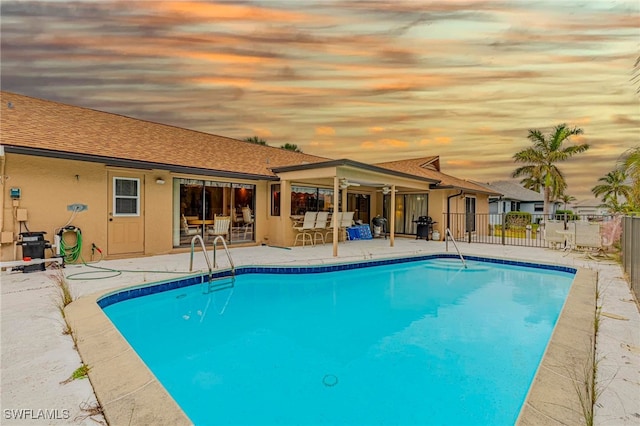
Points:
(45, 125)
(429, 167)
(515, 191)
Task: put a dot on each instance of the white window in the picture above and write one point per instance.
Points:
(126, 196)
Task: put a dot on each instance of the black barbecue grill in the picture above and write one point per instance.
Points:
(424, 227)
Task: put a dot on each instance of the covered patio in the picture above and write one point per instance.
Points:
(341, 177)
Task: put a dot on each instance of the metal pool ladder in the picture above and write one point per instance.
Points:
(448, 235)
(213, 284)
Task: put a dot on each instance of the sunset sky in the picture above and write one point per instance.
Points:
(371, 81)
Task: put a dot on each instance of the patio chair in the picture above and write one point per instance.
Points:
(189, 229)
(553, 238)
(220, 226)
(321, 225)
(305, 230)
(336, 217)
(248, 220)
(346, 222)
(588, 236)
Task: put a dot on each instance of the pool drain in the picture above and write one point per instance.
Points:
(329, 380)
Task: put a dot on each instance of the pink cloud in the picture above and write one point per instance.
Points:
(325, 131)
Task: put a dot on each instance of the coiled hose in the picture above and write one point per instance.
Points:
(71, 252)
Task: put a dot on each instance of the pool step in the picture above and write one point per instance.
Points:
(217, 284)
(455, 264)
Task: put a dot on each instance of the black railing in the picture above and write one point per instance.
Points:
(517, 229)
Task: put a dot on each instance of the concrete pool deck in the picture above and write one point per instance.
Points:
(36, 357)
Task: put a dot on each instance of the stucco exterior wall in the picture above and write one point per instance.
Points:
(438, 200)
(47, 187)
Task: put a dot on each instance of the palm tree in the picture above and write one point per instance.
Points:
(256, 140)
(613, 187)
(291, 147)
(635, 78)
(534, 183)
(566, 199)
(541, 159)
(613, 206)
(631, 165)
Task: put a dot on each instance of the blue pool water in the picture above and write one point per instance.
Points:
(422, 342)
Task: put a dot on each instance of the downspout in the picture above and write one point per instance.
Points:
(449, 207)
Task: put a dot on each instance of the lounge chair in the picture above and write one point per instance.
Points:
(588, 236)
(305, 230)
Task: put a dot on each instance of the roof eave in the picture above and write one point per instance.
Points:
(477, 191)
(122, 162)
(351, 163)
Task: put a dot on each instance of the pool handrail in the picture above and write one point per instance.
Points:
(204, 251)
(448, 235)
(226, 249)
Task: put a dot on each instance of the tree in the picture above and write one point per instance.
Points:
(566, 199)
(613, 187)
(534, 183)
(291, 147)
(541, 159)
(613, 206)
(256, 140)
(631, 165)
(635, 77)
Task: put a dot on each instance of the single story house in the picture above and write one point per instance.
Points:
(133, 187)
(591, 208)
(516, 198)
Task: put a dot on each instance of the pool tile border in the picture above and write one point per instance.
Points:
(139, 291)
(551, 399)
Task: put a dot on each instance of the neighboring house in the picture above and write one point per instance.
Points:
(150, 187)
(516, 198)
(592, 207)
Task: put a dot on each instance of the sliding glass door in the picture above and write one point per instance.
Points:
(198, 203)
(407, 210)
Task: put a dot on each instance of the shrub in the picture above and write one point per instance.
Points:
(570, 216)
(520, 219)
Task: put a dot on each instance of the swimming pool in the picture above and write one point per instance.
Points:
(411, 343)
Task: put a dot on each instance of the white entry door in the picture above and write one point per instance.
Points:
(126, 221)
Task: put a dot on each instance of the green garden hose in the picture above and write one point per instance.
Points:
(71, 253)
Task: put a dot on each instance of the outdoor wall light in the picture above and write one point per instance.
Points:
(160, 181)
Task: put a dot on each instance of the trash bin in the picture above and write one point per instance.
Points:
(33, 245)
(379, 225)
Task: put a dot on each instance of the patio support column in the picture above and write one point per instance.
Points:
(392, 218)
(336, 188)
(286, 228)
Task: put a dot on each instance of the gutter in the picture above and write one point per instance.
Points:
(135, 164)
